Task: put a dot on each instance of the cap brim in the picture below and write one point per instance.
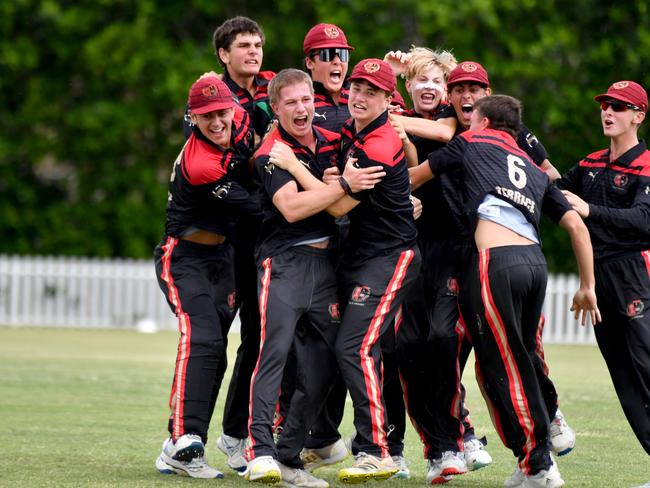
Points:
(620, 98)
(464, 78)
(212, 107)
(322, 45)
(373, 82)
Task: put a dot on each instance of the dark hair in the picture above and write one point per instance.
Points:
(503, 112)
(287, 77)
(226, 33)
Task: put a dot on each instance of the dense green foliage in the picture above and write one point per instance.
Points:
(92, 93)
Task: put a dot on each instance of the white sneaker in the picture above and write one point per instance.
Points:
(647, 485)
(516, 478)
(476, 457)
(263, 469)
(402, 463)
(563, 438)
(295, 478)
(315, 458)
(186, 457)
(233, 448)
(434, 473)
(367, 467)
(544, 479)
(453, 463)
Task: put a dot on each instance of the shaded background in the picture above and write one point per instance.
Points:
(92, 94)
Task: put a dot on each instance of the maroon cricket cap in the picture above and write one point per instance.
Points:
(209, 94)
(325, 35)
(376, 72)
(468, 71)
(626, 91)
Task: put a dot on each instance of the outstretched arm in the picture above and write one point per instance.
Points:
(438, 130)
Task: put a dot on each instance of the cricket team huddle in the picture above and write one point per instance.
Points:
(369, 247)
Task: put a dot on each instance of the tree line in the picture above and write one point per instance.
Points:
(92, 94)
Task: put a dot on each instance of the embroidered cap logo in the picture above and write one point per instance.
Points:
(619, 85)
(332, 32)
(210, 91)
(468, 67)
(371, 67)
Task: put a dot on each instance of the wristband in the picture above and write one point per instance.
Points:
(345, 185)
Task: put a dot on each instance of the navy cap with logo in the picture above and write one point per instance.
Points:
(209, 94)
(627, 92)
(376, 72)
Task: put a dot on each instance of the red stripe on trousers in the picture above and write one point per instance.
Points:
(185, 328)
(646, 258)
(373, 386)
(264, 297)
(517, 392)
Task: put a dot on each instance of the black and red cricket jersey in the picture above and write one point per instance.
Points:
(258, 105)
(383, 221)
(618, 194)
(492, 163)
(328, 114)
(277, 233)
(436, 221)
(205, 190)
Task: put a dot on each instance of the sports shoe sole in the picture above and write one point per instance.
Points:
(440, 480)
(165, 468)
(354, 478)
(268, 478)
(451, 471)
(313, 466)
(564, 452)
(477, 465)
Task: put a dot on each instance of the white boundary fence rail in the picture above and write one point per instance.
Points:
(122, 293)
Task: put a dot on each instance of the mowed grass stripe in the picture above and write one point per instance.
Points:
(88, 408)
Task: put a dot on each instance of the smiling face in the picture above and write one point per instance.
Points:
(366, 103)
(427, 89)
(244, 56)
(463, 96)
(216, 125)
(330, 73)
(616, 124)
(295, 110)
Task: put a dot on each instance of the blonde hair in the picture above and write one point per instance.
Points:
(288, 77)
(423, 59)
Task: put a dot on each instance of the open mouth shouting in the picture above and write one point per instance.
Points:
(336, 76)
(301, 121)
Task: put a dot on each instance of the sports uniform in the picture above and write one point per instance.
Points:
(379, 262)
(618, 194)
(197, 279)
(295, 281)
(329, 114)
(235, 417)
(502, 289)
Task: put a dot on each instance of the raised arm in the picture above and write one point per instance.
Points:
(438, 130)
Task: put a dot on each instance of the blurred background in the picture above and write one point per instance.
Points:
(92, 94)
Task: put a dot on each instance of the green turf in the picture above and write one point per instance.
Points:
(87, 408)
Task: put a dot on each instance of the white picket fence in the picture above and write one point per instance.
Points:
(124, 293)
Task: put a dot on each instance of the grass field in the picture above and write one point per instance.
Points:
(87, 408)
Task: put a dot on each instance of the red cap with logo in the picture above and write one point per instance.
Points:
(468, 71)
(325, 35)
(376, 72)
(628, 92)
(209, 94)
